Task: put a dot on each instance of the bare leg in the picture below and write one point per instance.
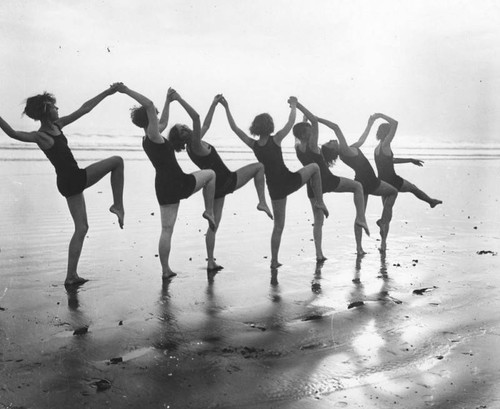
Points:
(319, 217)
(255, 171)
(76, 204)
(279, 211)
(168, 218)
(206, 179)
(389, 195)
(98, 170)
(210, 236)
(311, 172)
(348, 185)
(358, 231)
(410, 187)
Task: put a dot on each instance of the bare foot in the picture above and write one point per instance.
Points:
(321, 259)
(360, 252)
(363, 225)
(120, 213)
(435, 202)
(168, 275)
(213, 266)
(383, 248)
(321, 206)
(263, 207)
(275, 264)
(74, 281)
(210, 219)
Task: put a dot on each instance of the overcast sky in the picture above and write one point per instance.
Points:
(433, 65)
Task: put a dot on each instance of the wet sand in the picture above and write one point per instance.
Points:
(417, 328)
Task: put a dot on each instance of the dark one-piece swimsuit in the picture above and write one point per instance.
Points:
(385, 168)
(364, 171)
(71, 180)
(329, 181)
(171, 183)
(280, 181)
(225, 180)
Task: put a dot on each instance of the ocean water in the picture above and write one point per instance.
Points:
(96, 146)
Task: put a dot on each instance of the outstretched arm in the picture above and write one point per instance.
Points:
(313, 141)
(191, 112)
(365, 133)
(210, 114)
(17, 135)
(280, 135)
(417, 162)
(152, 130)
(242, 135)
(345, 149)
(87, 106)
(393, 127)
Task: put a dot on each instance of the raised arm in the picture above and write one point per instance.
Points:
(242, 135)
(17, 135)
(365, 133)
(87, 106)
(191, 112)
(345, 149)
(280, 135)
(313, 140)
(165, 113)
(152, 131)
(393, 127)
(210, 114)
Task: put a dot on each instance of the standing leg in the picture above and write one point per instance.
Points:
(311, 172)
(410, 187)
(98, 170)
(206, 179)
(389, 195)
(255, 171)
(358, 231)
(76, 204)
(210, 236)
(168, 218)
(319, 217)
(279, 211)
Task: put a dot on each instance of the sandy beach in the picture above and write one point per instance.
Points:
(417, 328)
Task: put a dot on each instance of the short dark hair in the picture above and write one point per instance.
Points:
(383, 130)
(262, 125)
(330, 154)
(176, 138)
(36, 106)
(299, 128)
(139, 117)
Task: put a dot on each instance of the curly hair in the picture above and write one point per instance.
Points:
(262, 125)
(178, 138)
(139, 117)
(36, 106)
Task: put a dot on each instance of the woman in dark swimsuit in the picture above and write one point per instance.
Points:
(280, 181)
(385, 160)
(364, 173)
(205, 156)
(308, 152)
(171, 183)
(71, 180)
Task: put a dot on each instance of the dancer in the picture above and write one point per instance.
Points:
(205, 156)
(385, 160)
(171, 183)
(354, 158)
(71, 179)
(280, 181)
(308, 152)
